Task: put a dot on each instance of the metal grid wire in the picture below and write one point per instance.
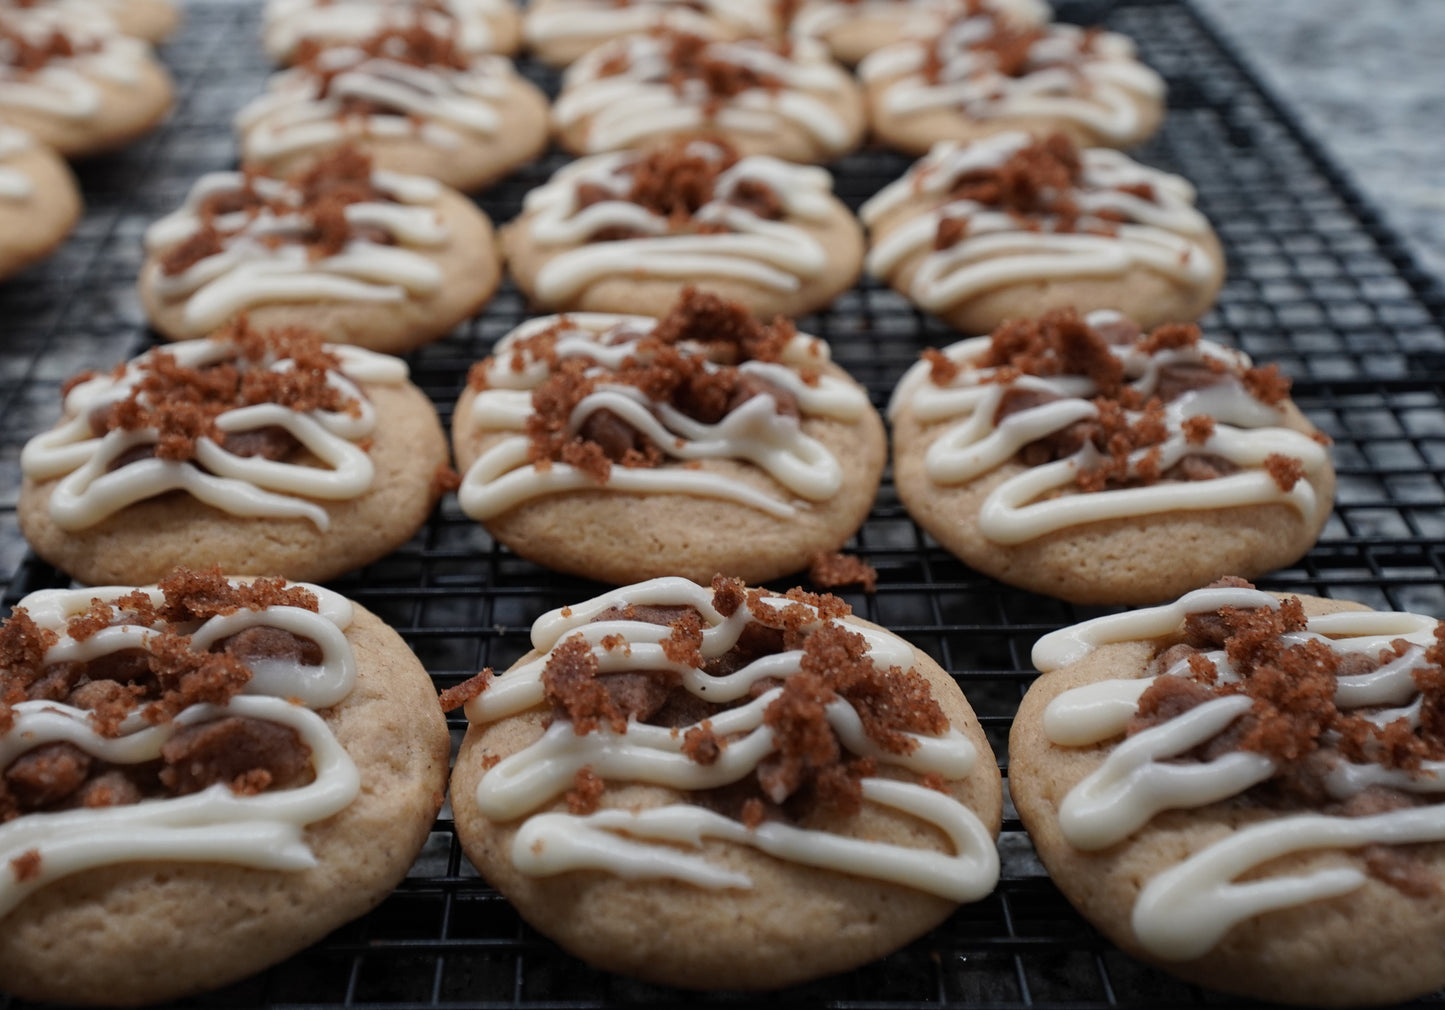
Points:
(1315, 283)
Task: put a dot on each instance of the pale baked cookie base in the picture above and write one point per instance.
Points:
(839, 234)
(917, 132)
(796, 923)
(1371, 946)
(144, 541)
(1139, 560)
(32, 228)
(474, 164)
(624, 537)
(151, 931)
(126, 113)
(152, 20)
(471, 271)
(790, 143)
(1149, 298)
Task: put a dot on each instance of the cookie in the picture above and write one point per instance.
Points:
(265, 453)
(785, 99)
(155, 21)
(851, 29)
(559, 31)
(479, 26)
(1012, 226)
(201, 778)
(627, 231)
(75, 83)
(623, 447)
(1244, 789)
(39, 202)
(416, 101)
(372, 258)
(725, 788)
(1091, 461)
(979, 75)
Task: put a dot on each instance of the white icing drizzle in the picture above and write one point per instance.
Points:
(1100, 89)
(998, 249)
(597, 20)
(438, 106)
(338, 22)
(259, 266)
(625, 842)
(776, 255)
(240, 485)
(503, 476)
(1029, 505)
(69, 87)
(627, 108)
(1184, 911)
(913, 17)
(14, 184)
(265, 831)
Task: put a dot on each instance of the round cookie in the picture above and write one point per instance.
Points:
(416, 101)
(155, 21)
(700, 443)
(231, 860)
(259, 452)
(39, 201)
(383, 261)
(627, 231)
(851, 29)
(791, 857)
(784, 99)
(980, 74)
(75, 83)
(560, 31)
(1011, 226)
(1166, 811)
(1100, 464)
(478, 26)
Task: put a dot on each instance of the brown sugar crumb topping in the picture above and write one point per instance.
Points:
(1286, 471)
(26, 866)
(1293, 719)
(333, 182)
(689, 362)
(28, 55)
(570, 683)
(413, 45)
(1006, 46)
(458, 695)
(692, 58)
(833, 570)
(587, 788)
(942, 369)
(183, 404)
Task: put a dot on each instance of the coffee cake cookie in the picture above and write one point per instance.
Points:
(725, 787)
(979, 75)
(39, 203)
(372, 258)
(1095, 462)
(1014, 226)
(76, 83)
(260, 452)
(851, 29)
(622, 447)
(415, 100)
(201, 778)
(785, 99)
(559, 31)
(627, 231)
(478, 26)
(1244, 789)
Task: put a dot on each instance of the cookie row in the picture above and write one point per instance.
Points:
(716, 787)
(77, 78)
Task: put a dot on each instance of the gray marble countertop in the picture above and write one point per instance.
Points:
(1366, 80)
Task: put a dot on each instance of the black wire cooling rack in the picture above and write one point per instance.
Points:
(1315, 283)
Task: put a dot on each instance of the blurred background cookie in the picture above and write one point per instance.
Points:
(559, 31)
(39, 202)
(622, 448)
(725, 788)
(478, 26)
(371, 258)
(1014, 226)
(851, 29)
(260, 452)
(1100, 463)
